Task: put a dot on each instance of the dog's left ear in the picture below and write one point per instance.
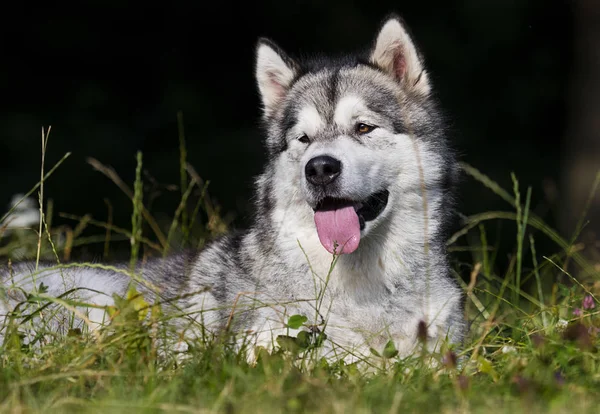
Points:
(275, 72)
(396, 54)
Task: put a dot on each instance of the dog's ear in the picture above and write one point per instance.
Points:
(274, 74)
(396, 54)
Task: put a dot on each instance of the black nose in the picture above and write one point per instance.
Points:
(322, 170)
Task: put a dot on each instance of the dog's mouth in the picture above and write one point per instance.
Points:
(339, 222)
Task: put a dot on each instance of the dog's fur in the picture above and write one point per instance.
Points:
(396, 279)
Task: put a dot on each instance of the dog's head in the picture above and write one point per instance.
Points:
(352, 135)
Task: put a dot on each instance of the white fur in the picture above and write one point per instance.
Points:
(354, 294)
(25, 214)
(309, 121)
(349, 110)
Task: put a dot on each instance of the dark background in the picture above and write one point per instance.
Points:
(110, 77)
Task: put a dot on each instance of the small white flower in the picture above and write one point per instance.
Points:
(508, 349)
(25, 214)
(561, 324)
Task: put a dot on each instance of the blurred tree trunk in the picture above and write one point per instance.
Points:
(582, 143)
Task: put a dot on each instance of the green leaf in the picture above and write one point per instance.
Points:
(137, 302)
(303, 339)
(120, 303)
(374, 352)
(564, 291)
(261, 353)
(390, 350)
(486, 367)
(288, 343)
(43, 288)
(296, 321)
(321, 337)
(76, 332)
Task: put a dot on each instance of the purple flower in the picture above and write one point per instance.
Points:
(577, 312)
(588, 302)
(559, 378)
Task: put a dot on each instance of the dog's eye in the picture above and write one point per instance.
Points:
(304, 139)
(364, 128)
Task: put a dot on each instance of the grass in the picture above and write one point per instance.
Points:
(532, 346)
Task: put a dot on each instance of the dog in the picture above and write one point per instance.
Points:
(351, 217)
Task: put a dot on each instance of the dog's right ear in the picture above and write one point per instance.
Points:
(275, 72)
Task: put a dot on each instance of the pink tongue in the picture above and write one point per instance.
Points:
(339, 228)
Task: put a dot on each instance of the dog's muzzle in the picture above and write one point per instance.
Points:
(340, 221)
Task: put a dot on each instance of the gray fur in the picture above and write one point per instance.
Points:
(398, 276)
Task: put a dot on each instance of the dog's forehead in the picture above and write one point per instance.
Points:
(337, 96)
